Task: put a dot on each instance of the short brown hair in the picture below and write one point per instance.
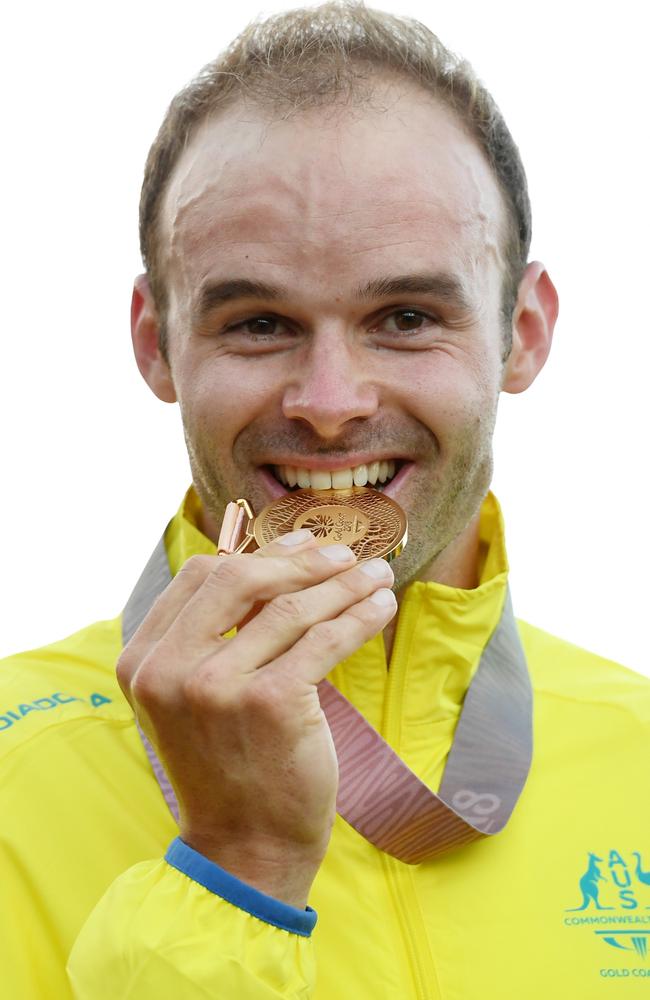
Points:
(331, 55)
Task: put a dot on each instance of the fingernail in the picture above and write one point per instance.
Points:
(378, 569)
(338, 553)
(383, 597)
(295, 537)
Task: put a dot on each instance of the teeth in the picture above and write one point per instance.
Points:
(320, 480)
(360, 475)
(341, 479)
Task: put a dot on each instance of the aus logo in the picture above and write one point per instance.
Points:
(622, 877)
(615, 883)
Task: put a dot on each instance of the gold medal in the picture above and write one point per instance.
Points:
(372, 524)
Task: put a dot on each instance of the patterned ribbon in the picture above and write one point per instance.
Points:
(378, 794)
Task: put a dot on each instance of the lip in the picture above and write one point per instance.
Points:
(273, 486)
(397, 480)
(277, 490)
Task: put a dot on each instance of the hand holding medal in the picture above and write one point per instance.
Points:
(371, 523)
(384, 801)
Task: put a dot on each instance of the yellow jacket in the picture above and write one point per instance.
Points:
(555, 906)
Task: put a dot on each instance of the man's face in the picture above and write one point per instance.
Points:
(377, 337)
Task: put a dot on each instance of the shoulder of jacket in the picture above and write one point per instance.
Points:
(93, 646)
(561, 668)
(65, 680)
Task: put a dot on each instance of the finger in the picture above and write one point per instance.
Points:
(327, 643)
(287, 617)
(193, 614)
(229, 591)
(184, 587)
(195, 571)
(289, 543)
(160, 615)
(237, 583)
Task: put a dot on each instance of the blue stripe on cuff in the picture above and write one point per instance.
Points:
(197, 867)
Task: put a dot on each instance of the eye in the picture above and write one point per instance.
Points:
(260, 328)
(406, 321)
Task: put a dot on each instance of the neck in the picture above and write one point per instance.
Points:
(207, 525)
(457, 564)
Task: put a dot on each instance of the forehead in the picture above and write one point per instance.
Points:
(331, 196)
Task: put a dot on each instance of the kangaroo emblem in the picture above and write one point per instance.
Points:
(589, 886)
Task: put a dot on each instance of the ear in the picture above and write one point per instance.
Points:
(533, 322)
(145, 331)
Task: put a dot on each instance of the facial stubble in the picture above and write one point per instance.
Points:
(446, 493)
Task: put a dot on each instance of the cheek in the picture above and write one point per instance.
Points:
(447, 389)
(221, 397)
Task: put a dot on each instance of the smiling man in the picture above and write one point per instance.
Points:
(335, 229)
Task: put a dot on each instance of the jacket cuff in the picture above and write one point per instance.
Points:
(220, 882)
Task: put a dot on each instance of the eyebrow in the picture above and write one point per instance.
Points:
(444, 286)
(218, 293)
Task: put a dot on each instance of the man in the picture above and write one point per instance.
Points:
(335, 227)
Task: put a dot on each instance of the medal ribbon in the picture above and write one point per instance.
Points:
(378, 794)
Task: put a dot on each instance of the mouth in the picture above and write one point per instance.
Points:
(377, 475)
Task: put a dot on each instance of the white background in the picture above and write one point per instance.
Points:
(93, 465)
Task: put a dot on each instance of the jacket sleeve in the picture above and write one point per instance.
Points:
(183, 927)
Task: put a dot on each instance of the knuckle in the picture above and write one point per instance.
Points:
(363, 616)
(265, 696)
(366, 614)
(351, 584)
(127, 665)
(324, 637)
(286, 607)
(197, 567)
(145, 685)
(210, 688)
(228, 571)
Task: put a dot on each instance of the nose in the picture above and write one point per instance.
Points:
(331, 387)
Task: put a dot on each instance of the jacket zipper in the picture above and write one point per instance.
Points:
(399, 876)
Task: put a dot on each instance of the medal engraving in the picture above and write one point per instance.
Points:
(334, 523)
(367, 520)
